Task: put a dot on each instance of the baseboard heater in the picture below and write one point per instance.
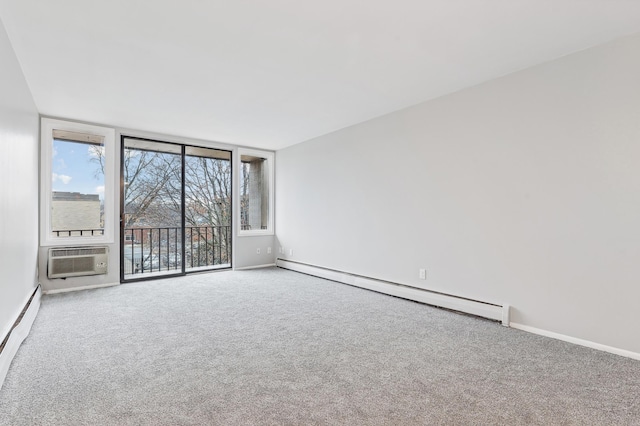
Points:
(18, 332)
(493, 311)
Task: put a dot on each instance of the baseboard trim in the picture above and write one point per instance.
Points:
(576, 341)
(86, 287)
(491, 311)
(18, 334)
(246, 268)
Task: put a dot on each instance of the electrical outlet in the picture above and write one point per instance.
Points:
(257, 251)
(423, 274)
(290, 252)
(268, 250)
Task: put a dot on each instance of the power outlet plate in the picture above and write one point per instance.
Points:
(257, 251)
(268, 250)
(423, 274)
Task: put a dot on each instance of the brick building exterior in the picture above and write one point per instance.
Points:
(72, 211)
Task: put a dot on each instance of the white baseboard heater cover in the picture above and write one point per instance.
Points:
(497, 312)
(18, 333)
(77, 261)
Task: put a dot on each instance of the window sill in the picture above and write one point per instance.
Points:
(256, 233)
(76, 242)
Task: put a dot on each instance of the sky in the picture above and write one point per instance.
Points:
(73, 169)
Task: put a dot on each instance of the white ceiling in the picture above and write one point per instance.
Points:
(273, 73)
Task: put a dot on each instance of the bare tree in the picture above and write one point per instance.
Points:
(153, 204)
(148, 183)
(153, 197)
(208, 205)
(244, 194)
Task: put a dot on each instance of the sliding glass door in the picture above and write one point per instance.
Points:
(176, 209)
(207, 207)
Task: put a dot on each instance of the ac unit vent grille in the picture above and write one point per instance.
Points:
(78, 251)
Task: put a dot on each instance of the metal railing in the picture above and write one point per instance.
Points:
(150, 249)
(78, 232)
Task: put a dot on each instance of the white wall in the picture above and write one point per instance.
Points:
(246, 251)
(18, 188)
(524, 190)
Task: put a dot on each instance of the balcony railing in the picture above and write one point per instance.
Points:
(78, 232)
(148, 250)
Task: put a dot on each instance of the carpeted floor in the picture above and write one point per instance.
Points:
(280, 348)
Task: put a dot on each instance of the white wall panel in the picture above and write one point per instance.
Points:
(18, 188)
(524, 190)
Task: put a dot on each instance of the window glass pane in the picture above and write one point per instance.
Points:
(208, 207)
(254, 193)
(77, 188)
(152, 186)
(152, 209)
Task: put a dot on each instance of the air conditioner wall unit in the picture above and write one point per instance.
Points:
(77, 261)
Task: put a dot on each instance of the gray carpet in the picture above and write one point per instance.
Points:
(276, 347)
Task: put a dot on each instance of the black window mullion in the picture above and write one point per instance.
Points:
(182, 218)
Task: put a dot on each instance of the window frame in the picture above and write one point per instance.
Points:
(270, 159)
(47, 126)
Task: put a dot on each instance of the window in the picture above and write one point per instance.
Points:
(256, 192)
(77, 183)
